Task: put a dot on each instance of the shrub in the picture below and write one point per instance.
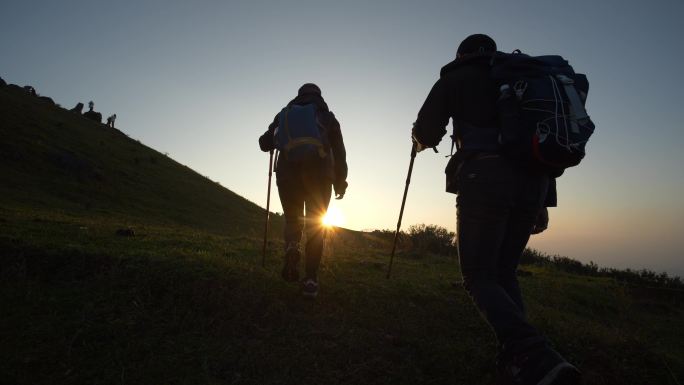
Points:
(431, 238)
(628, 276)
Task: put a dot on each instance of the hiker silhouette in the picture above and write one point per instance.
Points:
(30, 90)
(110, 120)
(500, 202)
(311, 163)
(91, 114)
(78, 108)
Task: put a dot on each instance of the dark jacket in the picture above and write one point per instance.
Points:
(467, 94)
(336, 161)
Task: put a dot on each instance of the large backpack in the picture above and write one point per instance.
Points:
(541, 109)
(299, 135)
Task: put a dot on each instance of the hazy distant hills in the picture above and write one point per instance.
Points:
(56, 159)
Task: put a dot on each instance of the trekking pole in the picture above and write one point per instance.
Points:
(268, 205)
(401, 212)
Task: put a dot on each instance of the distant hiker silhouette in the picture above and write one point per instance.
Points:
(92, 115)
(110, 120)
(504, 176)
(78, 108)
(30, 90)
(311, 162)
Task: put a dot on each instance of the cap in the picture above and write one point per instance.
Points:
(478, 43)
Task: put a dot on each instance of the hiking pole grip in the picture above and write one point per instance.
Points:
(401, 211)
(268, 207)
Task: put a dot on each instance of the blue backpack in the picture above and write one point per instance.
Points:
(541, 108)
(299, 136)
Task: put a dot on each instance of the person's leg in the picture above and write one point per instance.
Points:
(481, 231)
(485, 201)
(517, 234)
(317, 189)
(317, 201)
(292, 201)
(530, 194)
(529, 360)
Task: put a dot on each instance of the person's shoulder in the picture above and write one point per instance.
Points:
(329, 120)
(329, 115)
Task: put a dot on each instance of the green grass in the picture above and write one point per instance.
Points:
(53, 159)
(186, 301)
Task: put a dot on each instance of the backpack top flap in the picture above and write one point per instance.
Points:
(511, 65)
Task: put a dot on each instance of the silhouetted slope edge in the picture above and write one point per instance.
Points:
(55, 159)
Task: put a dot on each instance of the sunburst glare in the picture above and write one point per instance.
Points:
(333, 217)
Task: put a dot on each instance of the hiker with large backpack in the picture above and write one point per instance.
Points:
(311, 162)
(518, 121)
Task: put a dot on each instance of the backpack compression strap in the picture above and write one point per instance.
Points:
(579, 113)
(291, 143)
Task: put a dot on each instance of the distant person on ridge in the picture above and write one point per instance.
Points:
(91, 114)
(500, 201)
(78, 108)
(312, 161)
(110, 120)
(30, 90)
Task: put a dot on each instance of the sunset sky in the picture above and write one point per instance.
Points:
(201, 80)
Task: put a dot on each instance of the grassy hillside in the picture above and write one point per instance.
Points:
(186, 301)
(57, 160)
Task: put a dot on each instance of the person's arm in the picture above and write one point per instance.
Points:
(433, 117)
(339, 155)
(267, 141)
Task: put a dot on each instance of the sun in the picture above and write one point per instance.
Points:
(334, 217)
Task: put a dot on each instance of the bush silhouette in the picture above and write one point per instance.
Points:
(431, 238)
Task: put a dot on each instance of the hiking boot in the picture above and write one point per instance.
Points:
(291, 267)
(542, 366)
(310, 288)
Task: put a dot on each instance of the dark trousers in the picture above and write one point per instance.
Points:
(497, 205)
(304, 191)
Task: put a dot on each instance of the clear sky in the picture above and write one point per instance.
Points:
(201, 80)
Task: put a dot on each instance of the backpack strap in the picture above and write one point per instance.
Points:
(579, 113)
(453, 144)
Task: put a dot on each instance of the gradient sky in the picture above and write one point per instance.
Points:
(201, 80)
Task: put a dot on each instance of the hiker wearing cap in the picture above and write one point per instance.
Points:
(500, 202)
(311, 163)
